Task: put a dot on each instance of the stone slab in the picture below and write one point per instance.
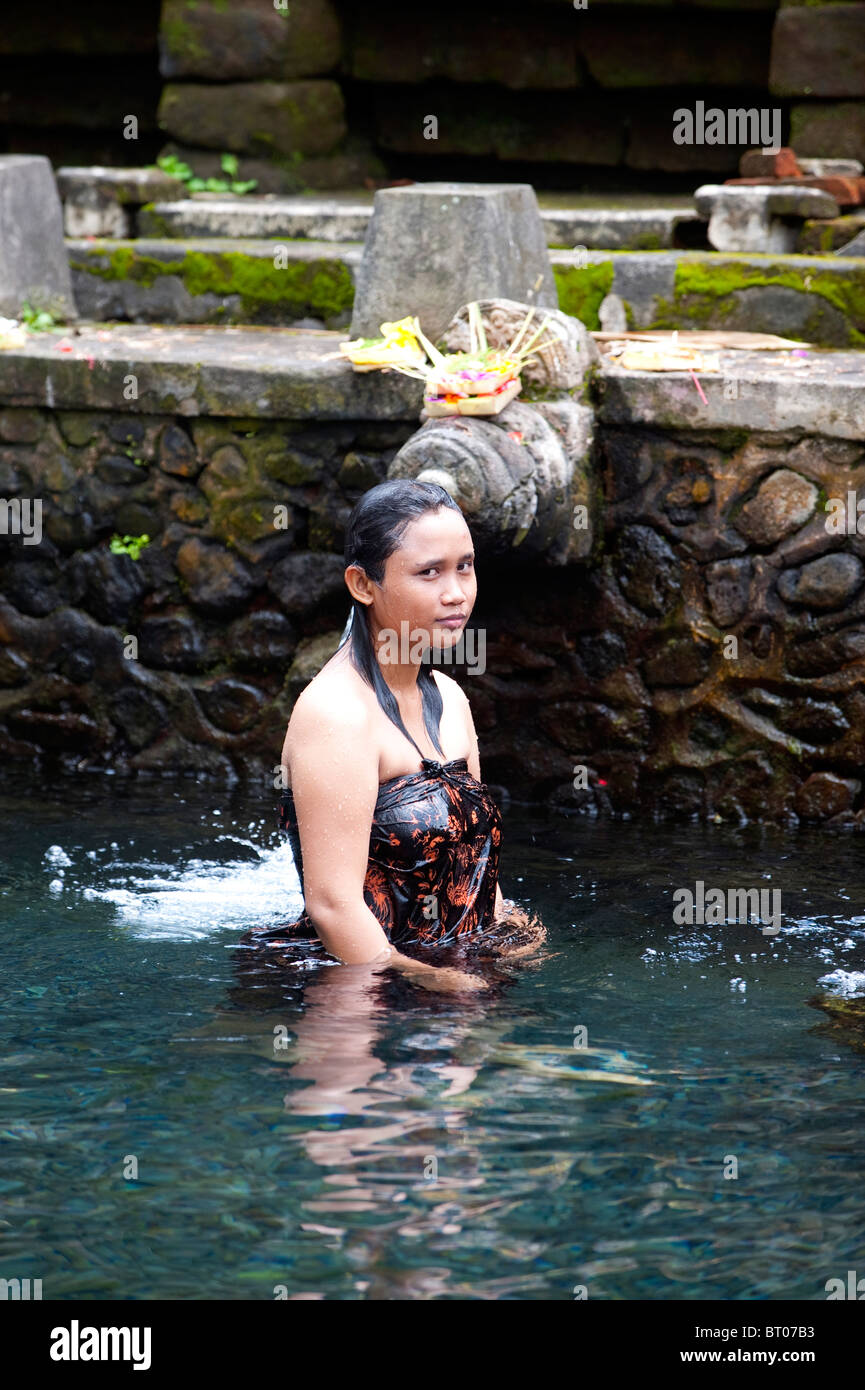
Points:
(98, 201)
(241, 372)
(33, 263)
(264, 118)
(285, 373)
(817, 51)
(214, 280)
(433, 247)
(135, 185)
(823, 394)
(251, 216)
(832, 168)
(747, 218)
(329, 219)
(255, 39)
(820, 299)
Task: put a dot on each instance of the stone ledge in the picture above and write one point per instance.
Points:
(240, 372)
(292, 374)
(344, 221)
(823, 394)
(217, 280)
(819, 299)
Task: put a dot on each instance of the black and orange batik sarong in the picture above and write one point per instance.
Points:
(433, 856)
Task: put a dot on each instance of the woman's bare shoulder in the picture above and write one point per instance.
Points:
(449, 688)
(334, 700)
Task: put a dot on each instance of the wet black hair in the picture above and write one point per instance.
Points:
(373, 532)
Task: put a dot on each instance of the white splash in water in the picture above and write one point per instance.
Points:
(56, 854)
(844, 982)
(187, 902)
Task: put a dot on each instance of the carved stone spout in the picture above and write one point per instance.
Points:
(524, 477)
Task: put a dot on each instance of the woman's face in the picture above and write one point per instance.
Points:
(430, 577)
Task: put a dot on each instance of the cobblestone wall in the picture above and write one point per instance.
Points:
(706, 662)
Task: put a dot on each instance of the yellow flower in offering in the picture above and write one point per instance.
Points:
(398, 347)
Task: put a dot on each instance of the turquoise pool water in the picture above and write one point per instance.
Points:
(293, 1138)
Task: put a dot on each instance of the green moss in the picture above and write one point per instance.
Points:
(701, 288)
(730, 440)
(179, 39)
(581, 291)
(157, 224)
(322, 288)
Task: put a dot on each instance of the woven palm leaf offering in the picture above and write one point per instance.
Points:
(399, 347)
(483, 380)
(665, 356)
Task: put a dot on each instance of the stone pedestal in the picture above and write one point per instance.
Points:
(432, 247)
(101, 202)
(33, 261)
(760, 218)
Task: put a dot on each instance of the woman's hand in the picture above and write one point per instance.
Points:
(442, 979)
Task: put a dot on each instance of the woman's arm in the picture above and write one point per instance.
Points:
(334, 782)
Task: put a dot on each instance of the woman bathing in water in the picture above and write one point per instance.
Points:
(395, 837)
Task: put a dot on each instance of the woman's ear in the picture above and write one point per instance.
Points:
(359, 584)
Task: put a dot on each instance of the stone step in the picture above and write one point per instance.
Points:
(299, 375)
(214, 280)
(345, 220)
(819, 299)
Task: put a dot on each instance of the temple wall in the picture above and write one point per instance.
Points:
(327, 93)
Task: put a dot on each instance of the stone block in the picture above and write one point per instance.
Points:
(433, 247)
(818, 51)
(98, 201)
(651, 147)
(108, 29)
(854, 247)
(216, 581)
(248, 39)
(410, 46)
(825, 794)
(832, 168)
(263, 118)
(761, 218)
(308, 580)
(823, 584)
(829, 128)
(347, 167)
(728, 586)
(782, 504)
(33, 261)
(539, 126)
(780, 164)
(660, 50)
